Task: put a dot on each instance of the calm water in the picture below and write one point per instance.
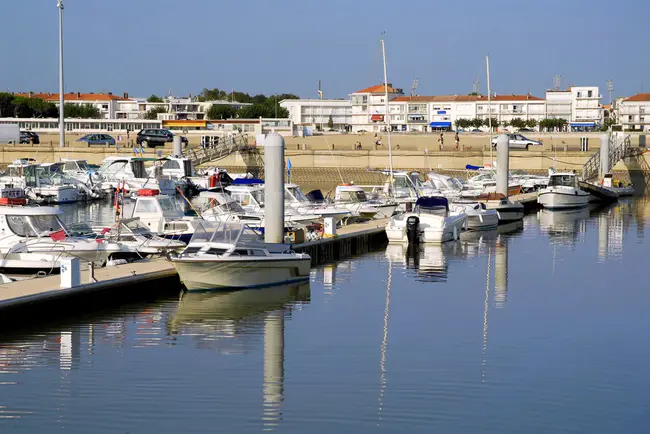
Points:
(541, 330)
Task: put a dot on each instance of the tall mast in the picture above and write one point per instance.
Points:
(387, 115)
(61, 94)
(487, 65)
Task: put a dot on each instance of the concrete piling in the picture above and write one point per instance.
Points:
(503, 163)
(178, 151)
(274, 188)
(604, 155)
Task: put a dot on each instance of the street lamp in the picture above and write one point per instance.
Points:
(59, 5)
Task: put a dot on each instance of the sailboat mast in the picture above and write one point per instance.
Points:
(487, 66)
(386, 114)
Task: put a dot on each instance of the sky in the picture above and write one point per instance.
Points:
(286, 46)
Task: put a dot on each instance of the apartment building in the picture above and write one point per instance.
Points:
(369, 107)
(634, 112)
(106, 103)
(316, 113)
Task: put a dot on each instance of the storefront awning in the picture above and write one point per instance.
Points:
(440, 124)
(583, 124)
(377, 117)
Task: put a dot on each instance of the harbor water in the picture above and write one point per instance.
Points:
(533, 329)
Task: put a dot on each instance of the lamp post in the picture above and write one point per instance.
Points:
(61, 92)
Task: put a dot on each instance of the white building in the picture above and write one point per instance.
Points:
(369, 107)
(317, 112)
(586, 111)
(559, 104)
(634, 112)
(175, 108)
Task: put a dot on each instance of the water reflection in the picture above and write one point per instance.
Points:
(211, 317)
(563, 226)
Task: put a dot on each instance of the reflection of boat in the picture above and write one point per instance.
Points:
(429, 260)
(207, 310)
(561, 221)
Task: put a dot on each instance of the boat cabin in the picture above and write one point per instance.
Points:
(348, 193)
(177, 167)
(159, 213)
(563, 180)
(293, 195)
(75, 167)
(250, 197)
(432, 205)
(120, 167)
(32, 222)
(27, 171)
(229, 238)
(220, 203)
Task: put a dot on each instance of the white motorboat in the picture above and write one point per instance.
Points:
(130, 173)
(161, 215)
(479, 217)
(507, 210)
(430, 222)
(233, 256)
(617, 186)
(251, 199)
(28, 176)
(354, 198)
(295, 199)
(485, 183)
(563, 192)
(444, 185)
(181, 170)
(39, 230)
(54, 174)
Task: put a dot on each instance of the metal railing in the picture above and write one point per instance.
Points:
(225, 147)
(591, 169)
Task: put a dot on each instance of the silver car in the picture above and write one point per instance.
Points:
(517, 141)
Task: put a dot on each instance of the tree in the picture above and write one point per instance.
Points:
(81, 111)
(477, 122)
(494, 122)
(330, 123)
(562, 124)
(518, 123)
(609, 122)
(154, 98)
(531, 123)
(152, 113)
(221, 111)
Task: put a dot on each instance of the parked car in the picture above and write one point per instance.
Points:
(98, 139)
(153, 137)
(29, 137)
(517, 141)
(476, 130)
(525, 130)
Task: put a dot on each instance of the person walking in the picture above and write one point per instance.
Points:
(457, 140)
(441, 141)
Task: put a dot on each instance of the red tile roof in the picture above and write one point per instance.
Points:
(463, 98)
(72, 96)
(639, 97)
(379, 88)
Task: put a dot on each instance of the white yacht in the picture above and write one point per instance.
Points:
(479, 217)
(444, 185)
(485, 183)
(54, 174)
(563, 192)
(233, 256)
(130, 173)
(28, 176)
(354, 198)
(295, 199)
(39, 230)
(430, 222)
(251, 199)
(181, 170)
(161, 215)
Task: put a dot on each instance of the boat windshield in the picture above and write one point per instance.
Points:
(561, 181)
(297, 194)
(353, 196)
(167, 204)
(83, 165)
(258, 195)
(235, 234)
(36, 225)
(202, 233)
(135, 226)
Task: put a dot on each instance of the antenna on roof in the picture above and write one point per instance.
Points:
(414, 85)
(610, 88)
(557, 82)
(320, 91)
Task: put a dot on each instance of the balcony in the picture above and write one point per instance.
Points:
(586, 96)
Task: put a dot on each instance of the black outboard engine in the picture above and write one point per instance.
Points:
(413, 229)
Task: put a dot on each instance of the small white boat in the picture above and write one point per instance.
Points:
(479, 217)
(354, 198)
(430, 222)
(130, 173)
(563, 192)
(234, 256)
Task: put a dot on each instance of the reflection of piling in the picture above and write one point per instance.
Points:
(603, 236)
(273, 369)
(501, 273)
(69, 349)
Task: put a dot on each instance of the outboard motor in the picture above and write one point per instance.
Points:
(413, 229)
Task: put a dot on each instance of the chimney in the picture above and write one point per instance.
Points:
(110, 93)
(31, 94)
(79, 95)
(125, 95)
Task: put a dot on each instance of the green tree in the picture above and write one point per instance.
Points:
(477, 122)
(152, 113)
(81, 111)
(518, 123)
(494, 122)
(221, 111)
(531, 123)
(154, 98)
(330, 123)
(562, 124)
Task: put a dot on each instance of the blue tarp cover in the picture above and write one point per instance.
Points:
(470, 167)
(247, 181)
(432, 202)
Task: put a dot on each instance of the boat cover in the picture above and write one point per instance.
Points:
(432, 202)
(470, 167)
(247, 181)
(315, 196)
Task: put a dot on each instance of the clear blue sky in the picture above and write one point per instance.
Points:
(150, 46)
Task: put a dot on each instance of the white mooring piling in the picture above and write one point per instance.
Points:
(178, 148)
(604, 156)
(274, 188)
(503, 163)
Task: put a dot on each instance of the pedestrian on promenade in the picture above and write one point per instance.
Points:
(457, 140)
(441, 141)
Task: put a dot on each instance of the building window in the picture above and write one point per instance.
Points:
(104, 106)
(579, 94)
(589, 94)
(630, 118)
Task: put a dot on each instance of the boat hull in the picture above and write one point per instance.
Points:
(225, 273)
(484, 221)
(561, 200)
(436, 233)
